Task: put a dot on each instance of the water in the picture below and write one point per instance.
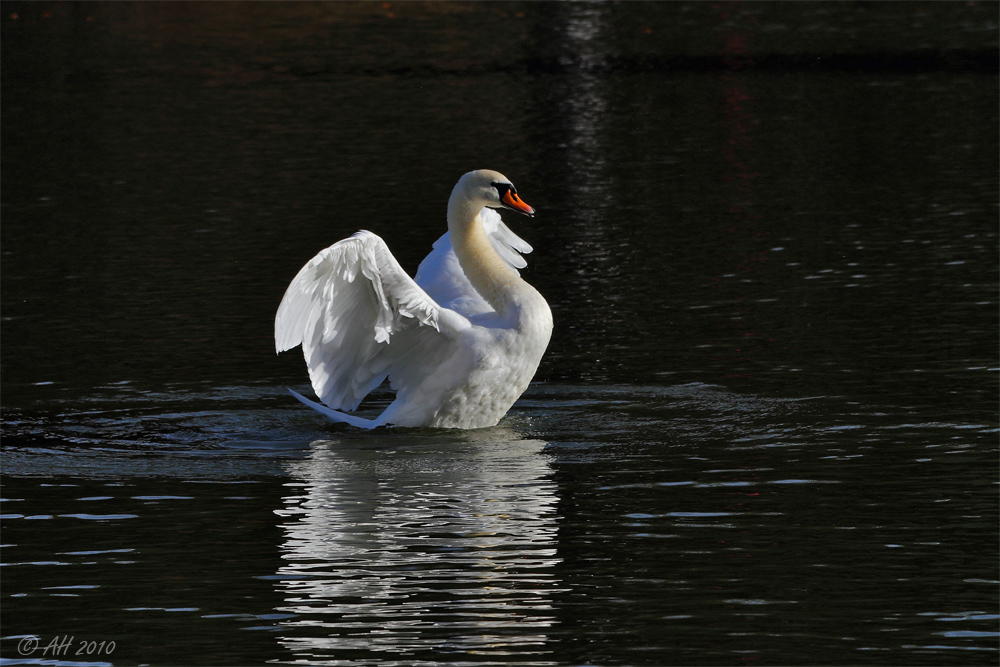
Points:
(766, 428)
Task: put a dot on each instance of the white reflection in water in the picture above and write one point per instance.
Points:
(405, 544)
(585, 100)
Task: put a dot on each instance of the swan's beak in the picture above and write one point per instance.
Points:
(514, 203)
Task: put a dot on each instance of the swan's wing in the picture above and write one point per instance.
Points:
(359, 318)
(507, 244)
(441, 276)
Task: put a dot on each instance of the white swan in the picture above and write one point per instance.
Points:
(459, 344)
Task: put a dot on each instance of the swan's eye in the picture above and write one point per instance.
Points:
(509, 199)
(503, 188)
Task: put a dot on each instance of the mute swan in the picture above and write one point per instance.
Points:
(459, 343)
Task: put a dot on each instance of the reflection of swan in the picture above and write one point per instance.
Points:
(459, 344)
(432, 546)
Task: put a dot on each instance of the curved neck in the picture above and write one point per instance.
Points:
(489, 274)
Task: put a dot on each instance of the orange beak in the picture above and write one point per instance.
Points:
(513, 202)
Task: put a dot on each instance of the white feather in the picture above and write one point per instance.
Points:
(344, 307)
(442, 277)
(360, 319)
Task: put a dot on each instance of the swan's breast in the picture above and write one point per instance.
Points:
(502, 364)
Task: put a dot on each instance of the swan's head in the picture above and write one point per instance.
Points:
(491, 188)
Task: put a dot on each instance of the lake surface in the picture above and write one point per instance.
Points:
(766, 428)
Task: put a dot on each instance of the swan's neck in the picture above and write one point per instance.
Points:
(489, 274)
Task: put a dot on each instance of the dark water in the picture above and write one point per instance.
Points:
(766, 428)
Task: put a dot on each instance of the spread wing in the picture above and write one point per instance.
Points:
(360, 318)
(441, 276)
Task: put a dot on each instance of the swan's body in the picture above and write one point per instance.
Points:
(459, 344)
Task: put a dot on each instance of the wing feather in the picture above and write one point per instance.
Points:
(345, 307)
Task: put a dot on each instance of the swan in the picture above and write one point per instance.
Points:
(459, 342)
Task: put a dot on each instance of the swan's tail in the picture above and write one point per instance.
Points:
(336, 416)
